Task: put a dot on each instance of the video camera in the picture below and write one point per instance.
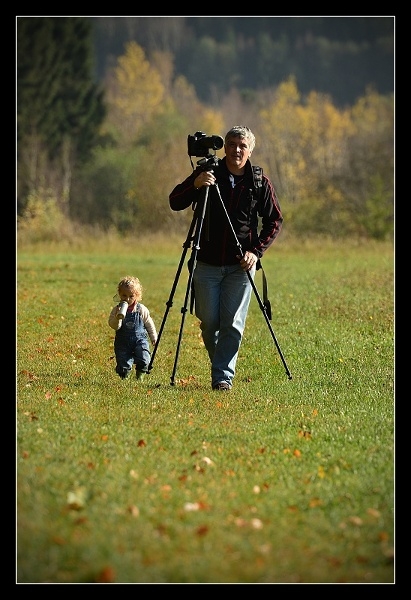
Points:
(199, 144)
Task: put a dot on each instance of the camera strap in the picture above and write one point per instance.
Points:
(266, 302)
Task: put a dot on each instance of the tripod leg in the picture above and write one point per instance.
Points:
(169, 302)
(264, 311)
(183, 316)
(190, 280)
(261, 305)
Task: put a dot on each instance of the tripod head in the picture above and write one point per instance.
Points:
(208, 162)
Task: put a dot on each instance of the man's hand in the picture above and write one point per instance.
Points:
(248, 260)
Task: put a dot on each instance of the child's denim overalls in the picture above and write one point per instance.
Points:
(131, 345)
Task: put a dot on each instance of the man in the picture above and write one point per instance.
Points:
(221, 278)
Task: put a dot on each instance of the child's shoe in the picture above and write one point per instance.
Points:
(123, 373)
(140, 375)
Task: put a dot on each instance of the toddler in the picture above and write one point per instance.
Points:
(131, 339)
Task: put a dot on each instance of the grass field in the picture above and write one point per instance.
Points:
(277, 481)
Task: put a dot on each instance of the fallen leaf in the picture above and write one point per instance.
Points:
(134, 511)
(76, 499)
(362, 560)
(256, 524)
(314, 502)
(107, 575)
(58, 540)
(335, 562)
(191, 506)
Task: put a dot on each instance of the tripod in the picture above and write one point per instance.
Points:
(196, 227)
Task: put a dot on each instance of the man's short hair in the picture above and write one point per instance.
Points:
(243, 132)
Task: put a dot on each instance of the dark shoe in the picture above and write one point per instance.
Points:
(140, 375)
(221, 386)
(123, 373)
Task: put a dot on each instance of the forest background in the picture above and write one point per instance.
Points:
(105, 106)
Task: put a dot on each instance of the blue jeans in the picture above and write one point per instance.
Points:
(222, 298)
(131, 346)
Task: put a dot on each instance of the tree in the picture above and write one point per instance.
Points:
(59, 106)
(370, 173)
(333, 167)
(148, 120)
(135, 94)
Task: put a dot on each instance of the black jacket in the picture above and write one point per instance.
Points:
(219, 241)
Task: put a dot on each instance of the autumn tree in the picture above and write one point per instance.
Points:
(369, 179)
(330, 164)
(148, 120)
(135, 95)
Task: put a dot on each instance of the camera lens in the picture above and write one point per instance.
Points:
(218, 142)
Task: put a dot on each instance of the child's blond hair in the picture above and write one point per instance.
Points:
(134, 285)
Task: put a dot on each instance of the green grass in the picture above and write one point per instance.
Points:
(277, 481)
